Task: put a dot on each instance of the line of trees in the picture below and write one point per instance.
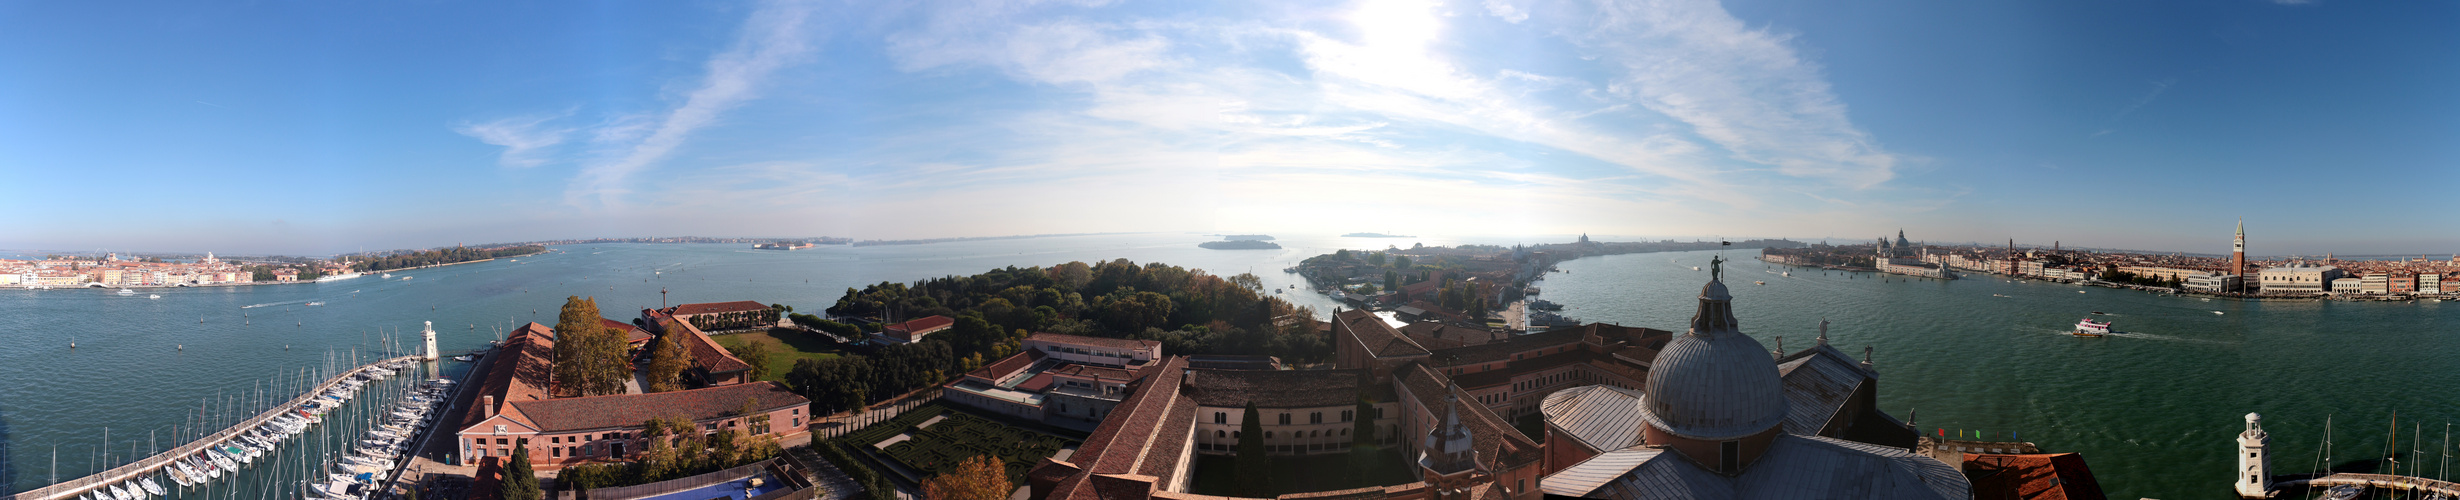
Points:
(440, 256)
(1189, 311)
(678, 448)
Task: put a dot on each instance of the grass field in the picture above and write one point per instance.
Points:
(787, 345)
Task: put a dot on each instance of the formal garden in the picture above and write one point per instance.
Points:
(937, 449)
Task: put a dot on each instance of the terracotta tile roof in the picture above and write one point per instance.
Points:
(910, 330)
(1429, 333)
(633, 334)
(1517, 368)
(518, 372)
(2061, 476)
(1007, 366)
(1490, 435)
(630, 410)
(1093, 372)
(1095, 341)
(1122, 443)
(1430, 308)
(718, 307)
(1378, 338)
(706, 353)
(1503, 351)
(1282, 388)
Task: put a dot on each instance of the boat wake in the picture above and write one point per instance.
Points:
(2167, 338)
(282, 303)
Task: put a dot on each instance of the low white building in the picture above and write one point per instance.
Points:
(2215, 283)
(2296, 280)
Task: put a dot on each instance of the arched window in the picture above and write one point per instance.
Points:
(1218, 434)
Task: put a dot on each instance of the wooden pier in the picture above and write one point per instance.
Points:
(72, 488)
(2372, 481)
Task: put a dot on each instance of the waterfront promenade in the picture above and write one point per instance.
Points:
(116, 475)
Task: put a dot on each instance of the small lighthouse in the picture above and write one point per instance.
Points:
(2254, 460)
(429, 333)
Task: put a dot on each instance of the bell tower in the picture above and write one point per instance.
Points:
(2254, 460)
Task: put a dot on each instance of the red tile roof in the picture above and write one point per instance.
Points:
(718, 307)
(632, 333)
(517, 372)
(1126, 440)
(910, 330)
(1095, 341)
(630, 410)
(1006, 366)
(2061, 476)
(1379, 339)
(706, 353)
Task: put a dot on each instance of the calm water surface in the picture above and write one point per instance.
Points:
(2153, 409)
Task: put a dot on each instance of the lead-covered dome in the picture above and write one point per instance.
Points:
(1713, 383)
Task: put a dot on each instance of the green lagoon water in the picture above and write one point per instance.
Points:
(2153, 409)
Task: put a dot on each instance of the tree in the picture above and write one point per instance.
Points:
(979, 478)
(667, 361)
(1343, 254)
(520, 483)
(1401, 261)
(753, 353)
(1375, 259)
(1392, 281)
(1362, 438)
(1251, 468)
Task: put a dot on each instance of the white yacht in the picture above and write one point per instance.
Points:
(125, 291)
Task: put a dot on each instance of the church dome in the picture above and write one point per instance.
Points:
(1713, 383)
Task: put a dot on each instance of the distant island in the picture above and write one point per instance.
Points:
(1240, 245)
(1258, 237)
(1374, 235)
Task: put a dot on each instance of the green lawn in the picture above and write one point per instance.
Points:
(787, 345)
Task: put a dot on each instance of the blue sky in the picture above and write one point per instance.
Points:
(319, 127)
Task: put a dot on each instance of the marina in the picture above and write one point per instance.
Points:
(242, 445)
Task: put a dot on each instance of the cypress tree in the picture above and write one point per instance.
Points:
(520, 483)
(1254, 472)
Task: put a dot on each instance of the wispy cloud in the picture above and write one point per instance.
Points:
(2158, 87)
(525, 138)
(1745, 89)
(772, 37)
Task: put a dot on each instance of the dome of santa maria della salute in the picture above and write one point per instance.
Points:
(1713, 383)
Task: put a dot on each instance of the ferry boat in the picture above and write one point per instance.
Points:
(338, 277)
(2090, 328)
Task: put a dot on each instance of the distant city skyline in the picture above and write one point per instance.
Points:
(322, 129)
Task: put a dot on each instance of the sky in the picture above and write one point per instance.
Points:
(322, 127)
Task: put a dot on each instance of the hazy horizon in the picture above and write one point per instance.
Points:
(313, 129)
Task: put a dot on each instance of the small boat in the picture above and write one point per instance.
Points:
(387, 276)
(407, 278)
(1695, 268)
(151, 296)
(464, 358)
(1787, 273)
(118, 493)
(1759, 282)
(125, 291)
(314, 304)
(2079, 291)
(2090, 328)
(2099, 313)
(2343, 492)
(2217, 313)
(152, 487)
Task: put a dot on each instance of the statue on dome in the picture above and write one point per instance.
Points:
(1715, 270)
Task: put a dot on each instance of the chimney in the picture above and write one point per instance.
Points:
(487, 407)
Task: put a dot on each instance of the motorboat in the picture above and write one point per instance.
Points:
(2218, 313)
(2090, 328)
(125, 291)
